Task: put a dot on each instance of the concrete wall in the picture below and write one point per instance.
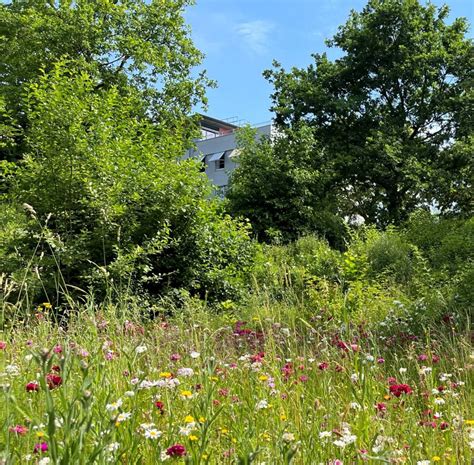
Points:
(220, 177)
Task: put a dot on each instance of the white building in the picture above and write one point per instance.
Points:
(217, 149)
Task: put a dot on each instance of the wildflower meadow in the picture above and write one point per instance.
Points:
(282, 385)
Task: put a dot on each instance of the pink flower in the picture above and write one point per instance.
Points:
(175, 357)
(41, 447)
(323, 365)
(57, 349)
(32, 386)
(18, 429)
(176, 450)
(3, 345)
(422, 357)
(380, 360)
(381, 407)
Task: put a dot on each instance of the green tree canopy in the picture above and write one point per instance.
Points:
(392, 113)
(123, 43)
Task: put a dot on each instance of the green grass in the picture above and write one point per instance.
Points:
(258, 396)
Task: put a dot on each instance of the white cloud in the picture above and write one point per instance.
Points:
(255, 34)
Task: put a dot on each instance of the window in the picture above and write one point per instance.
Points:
(219, 159)
(220, 164)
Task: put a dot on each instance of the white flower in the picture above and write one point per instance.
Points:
(28, 357)
(402, 370)
(423, 462)
(28, 457)
(187, 372)
(285, 331)
(194, 354)
(123, 416)
(186, 430)
(164, 456)
(425, 370)
(113, 446)
(129, 393)
(370, 358)
(114, 406)
(146, 426)
(12, 370)
(263, 404)
(44, 461)
(288, 437)
(354, 377)
(325, 434)
(439, 401)
(355, 406)
(140, 349)
(152, 433)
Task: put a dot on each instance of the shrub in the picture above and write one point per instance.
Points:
(112, 205)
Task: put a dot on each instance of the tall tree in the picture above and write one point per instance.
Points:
(137, 43)
(392, 114)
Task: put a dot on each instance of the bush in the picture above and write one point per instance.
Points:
(112, 208)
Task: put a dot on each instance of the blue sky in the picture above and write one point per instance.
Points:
(241, 38)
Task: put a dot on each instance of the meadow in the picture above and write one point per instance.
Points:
(303, 370)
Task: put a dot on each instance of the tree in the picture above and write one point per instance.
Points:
(392, 114)
(122, 43)
(112, 203)
(279, 187)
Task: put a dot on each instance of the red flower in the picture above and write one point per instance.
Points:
(435, 358)
(175, 357)
(176, 450)
(18, 429)
(398, 389)
(444, 425)
(41, 447)
(160, 406)
(323, 365)
(53, 380)
(56, 368)
(32, 386)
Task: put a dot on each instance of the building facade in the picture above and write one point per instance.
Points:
(217, 149)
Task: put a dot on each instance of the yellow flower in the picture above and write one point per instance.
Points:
(189, 419)
(283, 417)
(192, 437)
(165, 374)
(234, 440)
(436, 458)
(186, 394)
(224, 430)
(265, 436)
(387, 397)
(469, 422)
(202, 420)
(39, 434)
(47, 305)
(205, 456)
(263, 377)
(214, 378)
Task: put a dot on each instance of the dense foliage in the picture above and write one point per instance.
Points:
(125, 43)
(94, 105)
(389, 123)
